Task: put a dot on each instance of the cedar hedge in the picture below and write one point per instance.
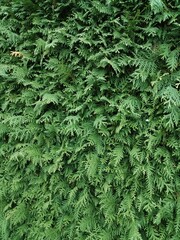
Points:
(89, 110)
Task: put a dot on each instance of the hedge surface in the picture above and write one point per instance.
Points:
(89, 120)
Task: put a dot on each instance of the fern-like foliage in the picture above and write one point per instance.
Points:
(89, 120)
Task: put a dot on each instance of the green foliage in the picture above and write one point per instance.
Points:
(89, 120)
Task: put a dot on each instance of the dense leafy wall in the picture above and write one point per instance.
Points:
(89, 113)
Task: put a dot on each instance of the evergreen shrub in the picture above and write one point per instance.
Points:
(89, 120)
